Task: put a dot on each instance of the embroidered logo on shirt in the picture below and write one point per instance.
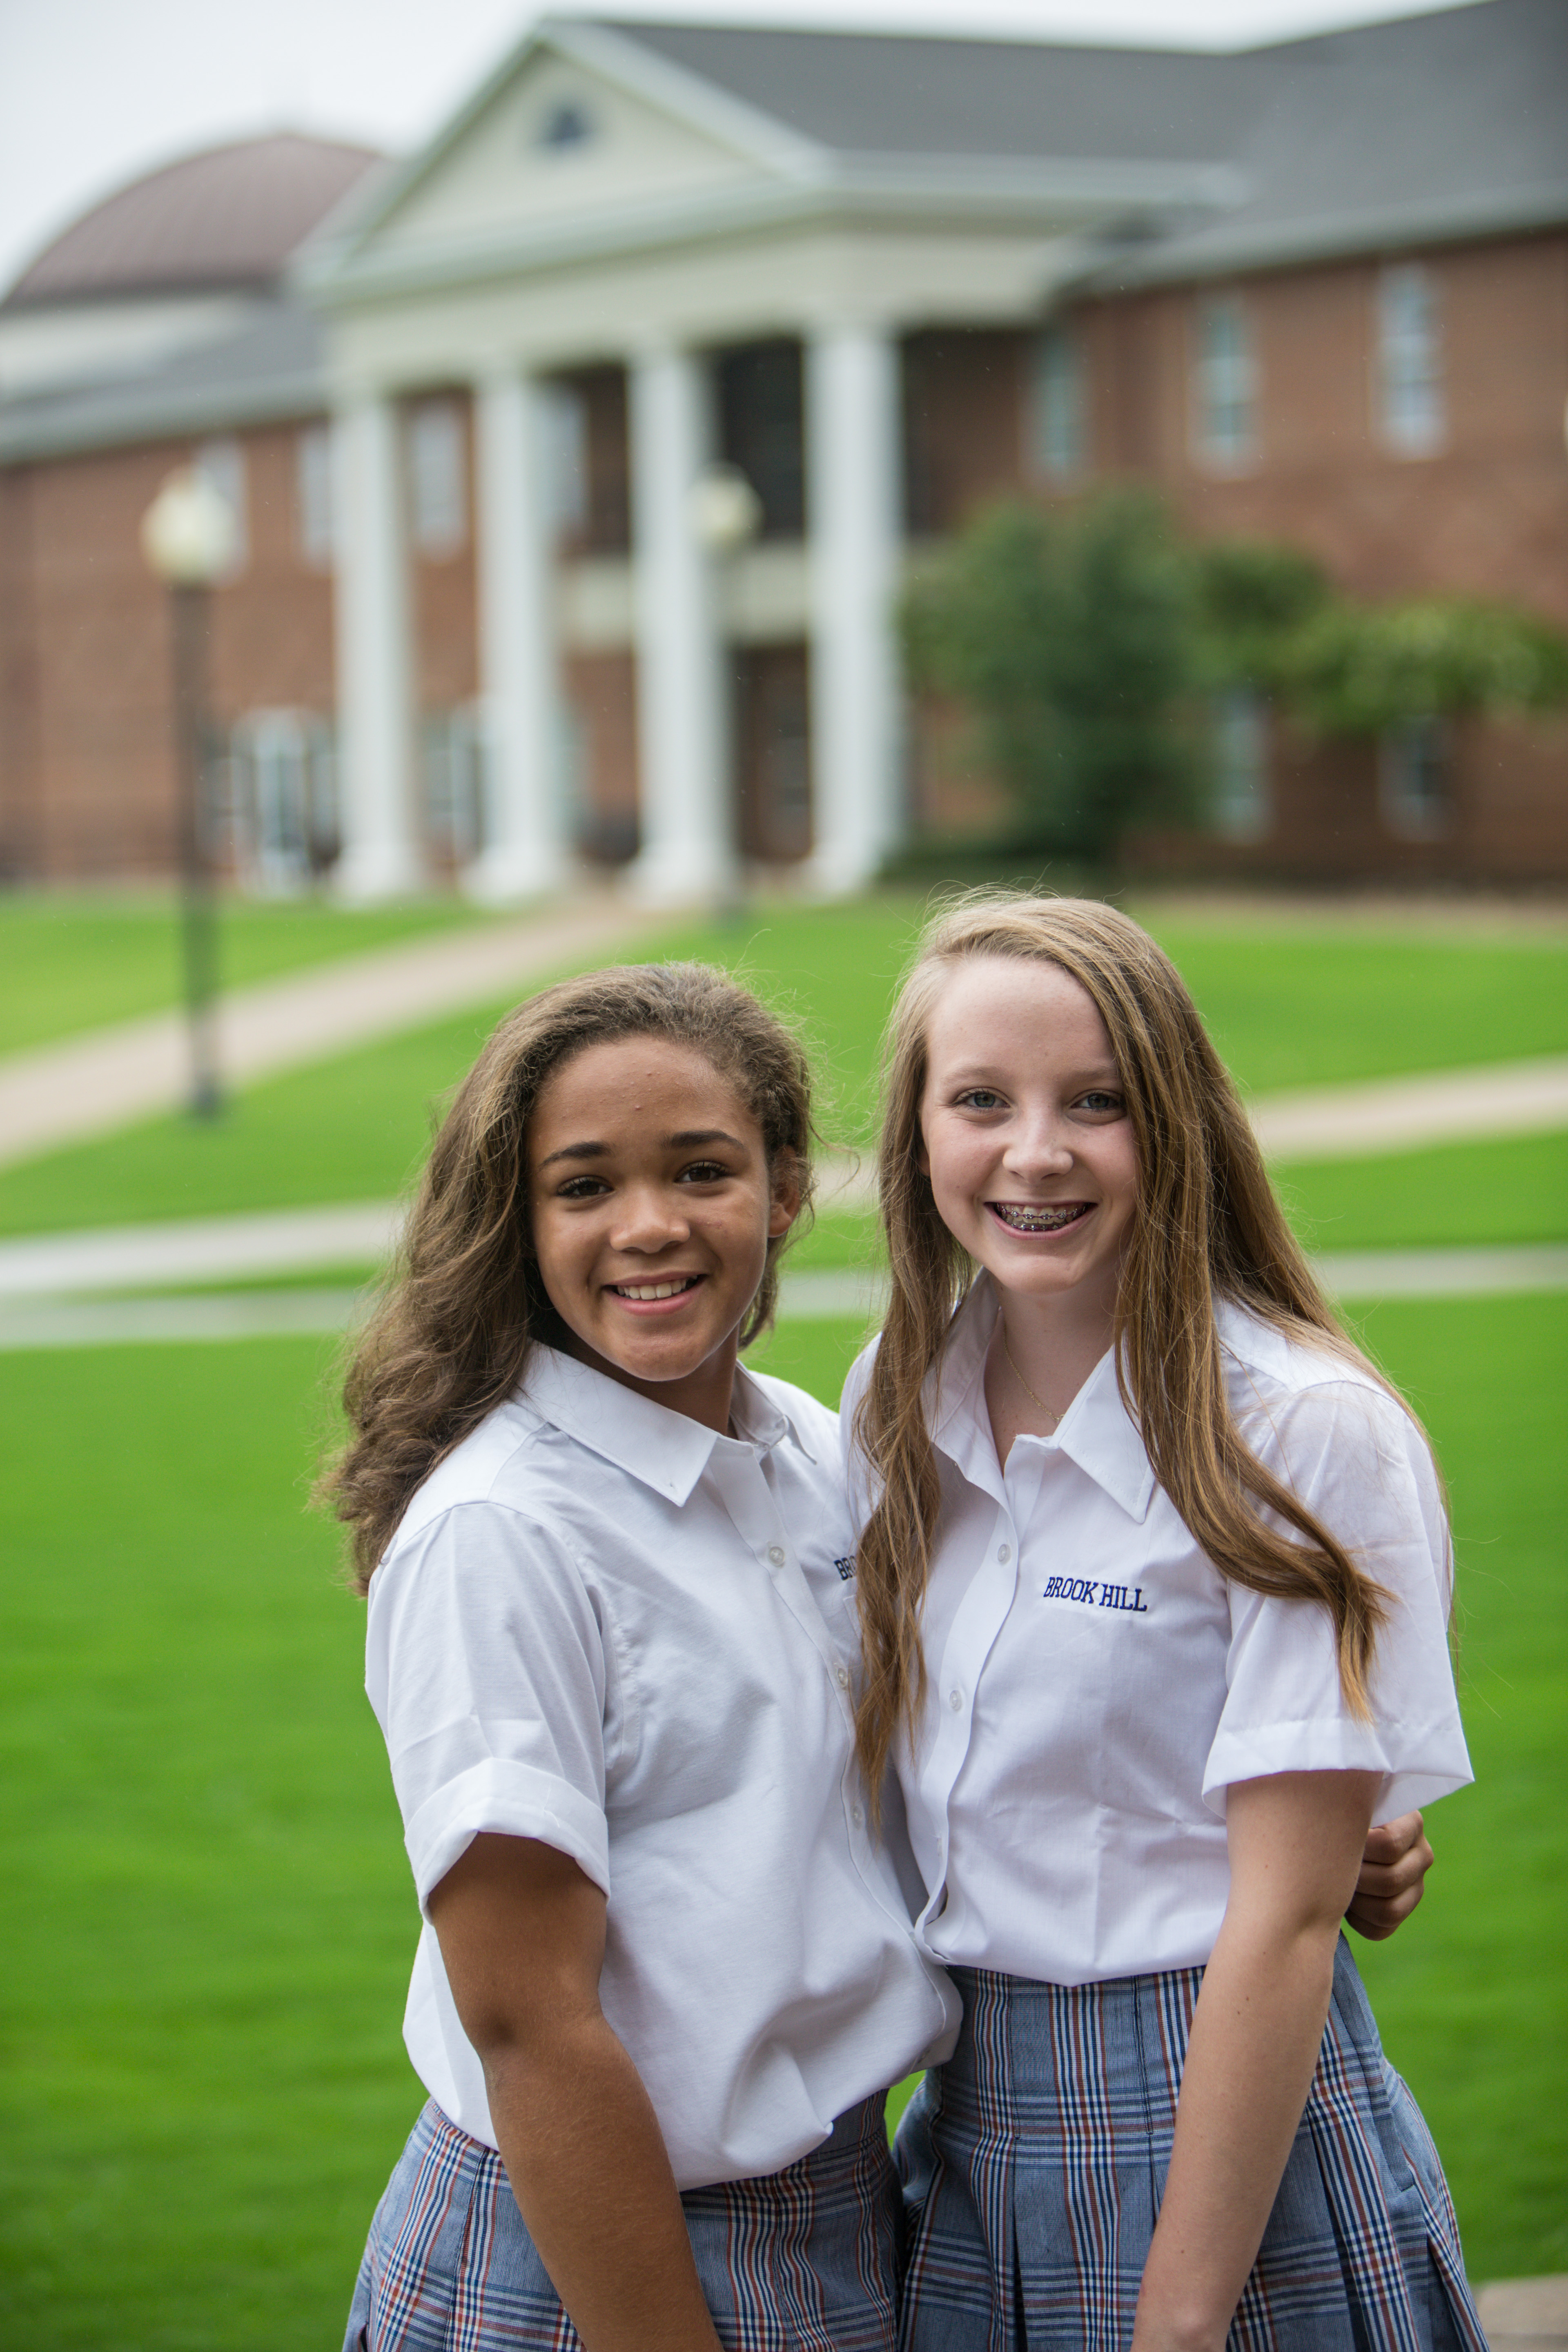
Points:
(1096, 1595)
(845, 1568)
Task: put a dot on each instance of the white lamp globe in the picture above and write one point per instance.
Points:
(725, 510)
(188, 535)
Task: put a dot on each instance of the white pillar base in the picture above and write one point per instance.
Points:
(374, 872)
(674, 875)
(510, 873)
(839, 870)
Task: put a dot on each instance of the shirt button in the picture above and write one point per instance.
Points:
(857, 1816)
(955, 1700)
(1003, 1553)
(777, 1554)
(841, 1676)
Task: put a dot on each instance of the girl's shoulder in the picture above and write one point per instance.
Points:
(1295, 1396)
(490, 1465)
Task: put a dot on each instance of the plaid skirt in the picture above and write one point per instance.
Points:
(1035, 2160)
(798, 2260)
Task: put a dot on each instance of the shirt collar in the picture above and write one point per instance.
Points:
(667, 1451)
(1096, 1431)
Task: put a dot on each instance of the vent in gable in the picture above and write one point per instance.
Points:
(564, 124)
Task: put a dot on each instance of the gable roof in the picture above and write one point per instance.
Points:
(1429, 127)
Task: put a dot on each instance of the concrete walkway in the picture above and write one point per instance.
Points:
(88, 1085)
(1525, 2314)
(91, 1084)
(32, 1318)
(1407, 1114)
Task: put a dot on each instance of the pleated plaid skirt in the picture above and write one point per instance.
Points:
(798, 2260)
(1035, 2160)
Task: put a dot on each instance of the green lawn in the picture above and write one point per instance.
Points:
(209, 1923)
(1289, 1007)
(70, 961)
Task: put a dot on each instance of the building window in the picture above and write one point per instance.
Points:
(1225, 389)
(1057, 439)
(438, 489)
(1415, 780)
(1409, 369)
(760, 392)
(221, 463)
(314, 494)
(566, 458)
(1242, 810)
(453, 764)
(281, 816)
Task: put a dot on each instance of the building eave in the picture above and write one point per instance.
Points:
(1299, 243)
(30, 431)
(960, 192)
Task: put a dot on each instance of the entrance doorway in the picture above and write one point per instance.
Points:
(772, 752)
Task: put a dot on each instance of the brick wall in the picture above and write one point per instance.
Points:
(86, 780)
(1486, 514)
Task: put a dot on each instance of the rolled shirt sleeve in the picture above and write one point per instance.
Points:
(1359, 1464)
(487, 1670)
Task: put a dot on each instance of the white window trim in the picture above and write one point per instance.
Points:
(1212, 454)
(1408, 404)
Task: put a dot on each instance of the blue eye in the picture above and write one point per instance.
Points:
(981, 1098)
(1098, 1099)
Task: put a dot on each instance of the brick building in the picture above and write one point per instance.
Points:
(483, 416)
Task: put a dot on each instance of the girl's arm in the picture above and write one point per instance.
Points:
(1295, 1843)
(521, 1931)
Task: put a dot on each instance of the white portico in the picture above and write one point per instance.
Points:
(627, 199)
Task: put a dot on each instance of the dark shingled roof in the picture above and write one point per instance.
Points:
(228, 217)
(269, 368)
(1451, 123)
(916, 95)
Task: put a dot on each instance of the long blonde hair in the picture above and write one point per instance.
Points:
(465, 1303)
(1208, 1228)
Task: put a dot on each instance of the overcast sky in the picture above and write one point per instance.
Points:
(93, 92)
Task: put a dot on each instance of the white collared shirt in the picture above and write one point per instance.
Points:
(1096, 1684)
(603, 1625)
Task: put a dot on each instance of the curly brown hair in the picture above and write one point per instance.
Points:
(1208, 1228)
(463, 1301)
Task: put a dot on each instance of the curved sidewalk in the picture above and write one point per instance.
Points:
(106, 1078)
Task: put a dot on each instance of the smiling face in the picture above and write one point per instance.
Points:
(652, 1208)
(1026, 1135)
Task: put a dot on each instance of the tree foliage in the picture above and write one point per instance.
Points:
(1084, 642)
(1351, 670)
(1069, 637)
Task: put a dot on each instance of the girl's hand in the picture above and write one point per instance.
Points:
(1295, 1843)
(1393, 1877)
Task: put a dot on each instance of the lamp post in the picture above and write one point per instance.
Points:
(188, 540)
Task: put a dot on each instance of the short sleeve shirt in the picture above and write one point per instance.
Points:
(1095, 1683)
(604, 1626)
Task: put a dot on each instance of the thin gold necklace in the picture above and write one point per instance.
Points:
(1037, 1401)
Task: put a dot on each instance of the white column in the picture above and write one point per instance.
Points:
(688, 830)
(525, 852)
(853, 477)
(376, 795)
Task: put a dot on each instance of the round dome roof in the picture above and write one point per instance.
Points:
(229, 217)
